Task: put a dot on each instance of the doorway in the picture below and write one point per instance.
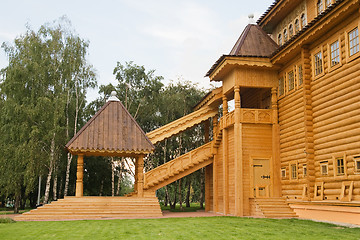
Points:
(261, 177)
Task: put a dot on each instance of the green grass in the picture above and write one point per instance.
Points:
(193, 207)
(12, 212)
(179, 228)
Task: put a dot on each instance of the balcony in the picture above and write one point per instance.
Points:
(248, 115)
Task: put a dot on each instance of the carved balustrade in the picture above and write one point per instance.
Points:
(247, 115)
(177, 165)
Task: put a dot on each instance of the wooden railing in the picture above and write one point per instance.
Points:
(177, 165)
(247, 115)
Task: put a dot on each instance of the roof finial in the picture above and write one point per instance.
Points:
(113, 97)
(251, 18)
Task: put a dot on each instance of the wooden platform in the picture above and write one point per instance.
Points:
(95, 208)
(271, 208)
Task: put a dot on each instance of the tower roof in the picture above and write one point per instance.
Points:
(253, 41)
(112, 131)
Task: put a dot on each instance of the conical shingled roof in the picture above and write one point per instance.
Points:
(112, 131)
(254, 42)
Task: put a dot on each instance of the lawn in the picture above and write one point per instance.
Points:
(193, 207)
(178, 228)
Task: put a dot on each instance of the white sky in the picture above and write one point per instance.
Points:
(179, 39)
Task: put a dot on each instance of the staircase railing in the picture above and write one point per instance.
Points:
(177, 165)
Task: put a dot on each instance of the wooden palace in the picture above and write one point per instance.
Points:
(294, 134)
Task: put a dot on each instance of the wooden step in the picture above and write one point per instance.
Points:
(275, 208)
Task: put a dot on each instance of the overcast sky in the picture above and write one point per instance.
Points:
(179, 39)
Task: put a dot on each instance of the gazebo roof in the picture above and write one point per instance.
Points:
(112, 131)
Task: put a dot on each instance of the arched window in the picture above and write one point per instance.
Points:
(291, 31)
(320, 6)
(328, 3)
(303, 20)
(285, 35)
(280, 39)
(297, 25)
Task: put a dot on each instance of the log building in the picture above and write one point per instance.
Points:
(294, 135)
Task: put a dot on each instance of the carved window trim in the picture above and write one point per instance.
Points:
(356, 164)
(324, 168)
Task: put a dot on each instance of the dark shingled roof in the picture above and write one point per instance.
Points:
(111, 129)
(253, 42)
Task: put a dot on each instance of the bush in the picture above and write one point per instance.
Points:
(7, 220)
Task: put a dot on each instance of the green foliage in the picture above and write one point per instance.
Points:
(179, 228)
(45, 80)
(7, 220)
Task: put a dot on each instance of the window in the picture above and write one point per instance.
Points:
(324, 168)
(297, 25)
(293, 171)
(328, 3)
(318, 63)
(340, 167)
(357, 164)
(300, 72)
(291, 80)
(285, 35)
(335, 56)
(320, 6)
(280, 39)
(354, 41)
(303, 20)
(291, 31)
(304, 170)
(283, 172)
(281, 86)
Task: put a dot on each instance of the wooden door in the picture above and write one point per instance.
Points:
(261, 176)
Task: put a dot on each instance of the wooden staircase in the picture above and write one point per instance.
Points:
(178, 168)
(275, 208)
(79, 208)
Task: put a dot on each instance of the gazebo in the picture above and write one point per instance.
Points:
(111, 132)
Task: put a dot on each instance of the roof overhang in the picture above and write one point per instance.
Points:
(226, 64)
(107, 153)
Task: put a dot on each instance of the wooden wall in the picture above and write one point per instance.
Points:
(257, 142)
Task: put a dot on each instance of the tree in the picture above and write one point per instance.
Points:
(43, 90)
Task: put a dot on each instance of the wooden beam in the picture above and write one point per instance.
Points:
(239, 191)
(215, 175)
(275, 190)
(225, 161)
(140, 176)
(79, 176)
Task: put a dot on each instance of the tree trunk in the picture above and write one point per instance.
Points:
(101, 188)
(202, 188)
(51, 168)
(67, 177)
(173, 205)
(166, 200)
(17, 203)
(120, 178)
(180, 197)
(55, 184)
(187, 200)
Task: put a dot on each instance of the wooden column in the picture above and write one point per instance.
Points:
(239, 191)
(215, 178)
(136, 175)
(275, 190)
(79, 176)
(225, 160)
(140, 176)
(308, 122)
(208, 169)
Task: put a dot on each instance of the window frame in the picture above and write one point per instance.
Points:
(297, 26)
(319, 4)
(324, 164)
(335, 157)
(291, 30)
(298, 67)
(303, 20)
(280, 40)
(293, 175)
(327, 4)
(314, 53)
(305, 173)
(350, 28)
(285, 35)
(283, 173)
(350, 40)
(293, 81)
(281, 93)
(356, 161)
